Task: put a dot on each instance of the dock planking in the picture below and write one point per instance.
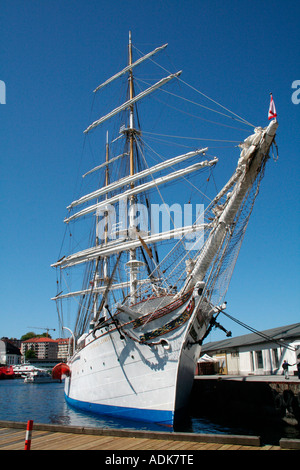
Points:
(61, 441)
(52, 437)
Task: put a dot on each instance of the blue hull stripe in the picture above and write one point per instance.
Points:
(151, 416)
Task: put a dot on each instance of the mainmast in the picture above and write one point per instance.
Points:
(133, 265)
(131, 109)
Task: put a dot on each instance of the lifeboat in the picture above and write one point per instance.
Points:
(59, 370)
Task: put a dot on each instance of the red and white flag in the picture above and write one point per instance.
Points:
(272, 109)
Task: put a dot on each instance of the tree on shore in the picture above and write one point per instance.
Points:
(31, 335)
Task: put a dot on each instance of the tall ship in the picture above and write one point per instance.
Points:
(145, 299)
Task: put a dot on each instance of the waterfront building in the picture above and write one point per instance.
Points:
(63, 348)
(44, 348)
(9, 353)
(260, 353)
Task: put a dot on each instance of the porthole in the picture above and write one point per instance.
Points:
(165, 344)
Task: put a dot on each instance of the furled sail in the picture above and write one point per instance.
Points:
(130, 102)
(137, 176)
(130, 67)
(103, 165)
(142, 188)
(115, 247)
(97, 290)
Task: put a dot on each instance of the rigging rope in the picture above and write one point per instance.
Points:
(200, 117)
(240, 119)
(183, 177)
(192, 138)
(198, 91)
(259, 333)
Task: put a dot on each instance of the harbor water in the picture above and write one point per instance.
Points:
(45, 403)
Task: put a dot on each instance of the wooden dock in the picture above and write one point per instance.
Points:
(54, 437)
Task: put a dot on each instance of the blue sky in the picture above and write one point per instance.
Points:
(54, 53)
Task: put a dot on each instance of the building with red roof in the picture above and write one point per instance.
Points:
(44, 348)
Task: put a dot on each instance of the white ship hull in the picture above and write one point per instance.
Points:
(123, 378)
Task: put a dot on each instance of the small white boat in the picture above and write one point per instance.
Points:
(39, 376)
(21, 370)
